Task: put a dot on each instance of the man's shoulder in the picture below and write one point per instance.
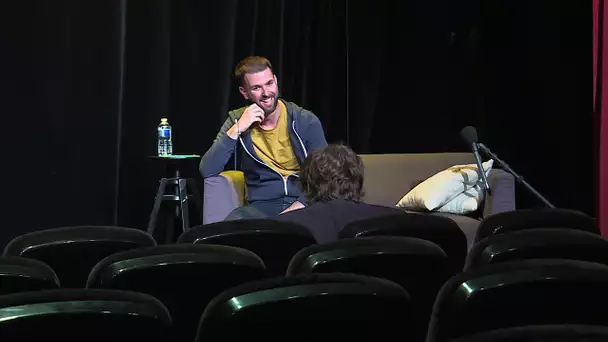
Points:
(299, 112)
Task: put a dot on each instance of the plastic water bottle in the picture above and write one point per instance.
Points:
(165, 146)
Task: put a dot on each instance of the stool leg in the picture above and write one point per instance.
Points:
(197, 199)
(183, 202)
(157, 203)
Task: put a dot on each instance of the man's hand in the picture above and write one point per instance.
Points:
(294, 206)
(251, 115)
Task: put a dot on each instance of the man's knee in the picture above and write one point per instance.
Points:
(243, 213)
(236, 214)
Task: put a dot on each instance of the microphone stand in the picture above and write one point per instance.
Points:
(517, 177)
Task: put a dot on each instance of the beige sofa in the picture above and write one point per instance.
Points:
(387, 178)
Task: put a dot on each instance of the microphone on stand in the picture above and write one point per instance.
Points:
(517, 177)
(469, 134)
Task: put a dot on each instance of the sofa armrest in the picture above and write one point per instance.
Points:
(502, 198)
(222, 194)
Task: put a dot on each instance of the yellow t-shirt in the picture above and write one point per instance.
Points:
(273, 146)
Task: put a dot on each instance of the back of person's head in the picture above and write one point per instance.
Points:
(251, 65)
(333, 172)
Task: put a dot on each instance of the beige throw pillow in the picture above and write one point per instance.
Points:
(454, 183)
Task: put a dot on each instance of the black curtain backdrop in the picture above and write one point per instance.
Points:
(85, 83)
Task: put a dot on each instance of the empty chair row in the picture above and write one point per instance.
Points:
(186, 277)
(310, 300)
(524, 299)
(73, 251)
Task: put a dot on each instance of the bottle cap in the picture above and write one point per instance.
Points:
(163, 119)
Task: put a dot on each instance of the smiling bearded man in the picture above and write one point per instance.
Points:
(270, 139)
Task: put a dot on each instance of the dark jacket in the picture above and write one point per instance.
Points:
(263, 183)
(325, 220)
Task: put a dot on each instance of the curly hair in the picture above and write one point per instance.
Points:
(333, 172)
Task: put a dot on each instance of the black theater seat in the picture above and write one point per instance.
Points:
(309, 308)
(441, 230)
(21, 274)
(544, 243)
(73, 251)
(273, 241)
(510, 221)
(78, 315)
(420, 266)
(184, 277)
(519, 293)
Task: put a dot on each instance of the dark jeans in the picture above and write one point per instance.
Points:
(261, 209)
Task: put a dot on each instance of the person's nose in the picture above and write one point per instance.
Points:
(264, 91)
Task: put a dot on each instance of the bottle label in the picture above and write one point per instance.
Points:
(164, 133)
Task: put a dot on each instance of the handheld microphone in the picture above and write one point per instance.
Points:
(469, 134)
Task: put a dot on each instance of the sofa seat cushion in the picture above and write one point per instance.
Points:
(467, 224)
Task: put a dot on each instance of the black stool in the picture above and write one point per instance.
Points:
(178, 190)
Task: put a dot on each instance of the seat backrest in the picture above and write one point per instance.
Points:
(420, 266)
(276, 242)
(544, 243)
(184, 277)
(511, 294)
(21, 274)
(542, 333)
(440, 230)
(83, 315)
(307, 305)
(388, 177)
(73, 251)
(535, 218)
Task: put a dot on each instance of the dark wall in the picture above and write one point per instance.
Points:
(384, 76)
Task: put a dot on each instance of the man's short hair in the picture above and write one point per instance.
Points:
(250, 65)
(333, 172)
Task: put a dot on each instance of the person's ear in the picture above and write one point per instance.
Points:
(244, 93)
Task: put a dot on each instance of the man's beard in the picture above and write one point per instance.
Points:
(274, 104)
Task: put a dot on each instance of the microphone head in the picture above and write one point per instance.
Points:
(469, 134)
